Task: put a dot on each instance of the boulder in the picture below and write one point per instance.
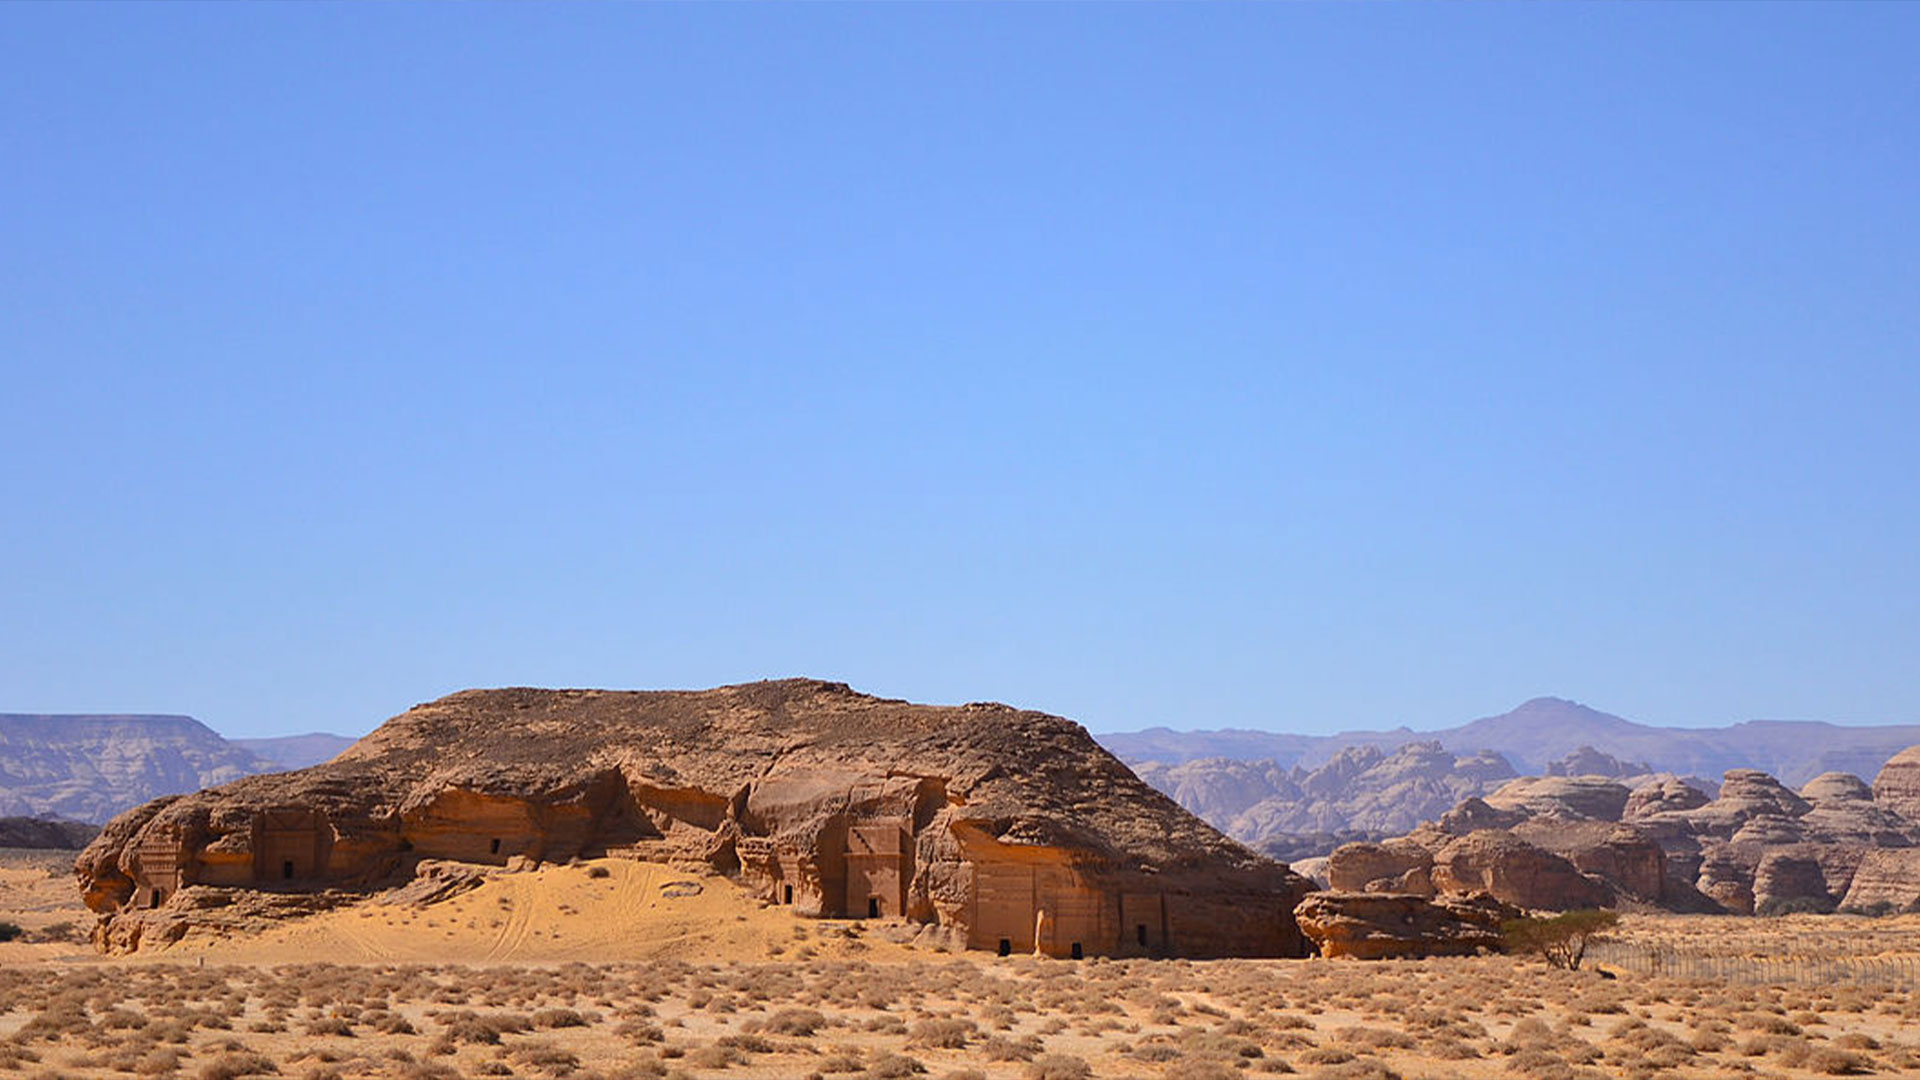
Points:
(1396, 866)
(1376, 926)
(976, 818)
(1516, 872)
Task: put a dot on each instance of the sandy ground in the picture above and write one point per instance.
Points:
(615, 969)
(603, 911)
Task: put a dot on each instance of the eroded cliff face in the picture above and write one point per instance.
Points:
(1011, 828)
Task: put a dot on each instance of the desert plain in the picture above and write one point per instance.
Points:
(617, 968)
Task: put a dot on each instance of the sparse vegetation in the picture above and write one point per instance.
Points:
(1562, 939)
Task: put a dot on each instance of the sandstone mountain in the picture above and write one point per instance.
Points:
(1757, 847)
(1009, 829)
(1544, 729)
(89, 768)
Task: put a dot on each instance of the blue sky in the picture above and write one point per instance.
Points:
(1298, 367)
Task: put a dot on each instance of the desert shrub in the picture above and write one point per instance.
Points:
(942, 1034)
(1001, 1048)
(1200, 1069)
(547, 1058)
(1833, 1061)
(795, 1021)
(1562, 939)
(1058, 1067)
(10, 930)
(640, 1031)
(1775, 906)
(714, 1056)
(559, 1018)
(1366, 1069)
(598, 872)
(892, 1067)
(233, 1064)
(330, 1025)
(1374, 1038)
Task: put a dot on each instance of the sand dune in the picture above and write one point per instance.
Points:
(603, 910)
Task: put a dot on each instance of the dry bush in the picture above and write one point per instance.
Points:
(943, 1034)
(233, 1064)
(794, 1021)
(1058, 1067)
(546, 1057)
(1001, 1048)
(892, 1067)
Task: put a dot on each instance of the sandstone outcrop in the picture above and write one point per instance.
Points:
(1897, 787)
(1592, 797)
(1757, 847)
(1510, 869)
(1377, 926)
(1396, 866)
(1011, 829)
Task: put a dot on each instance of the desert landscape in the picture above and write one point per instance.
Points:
(793, 879)
(616, 968)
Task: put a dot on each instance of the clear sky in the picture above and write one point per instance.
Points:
(1298, 367)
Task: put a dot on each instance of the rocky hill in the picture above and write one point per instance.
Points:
(1010, 829)
(1548, 728)
(89, 768)
(29, 832)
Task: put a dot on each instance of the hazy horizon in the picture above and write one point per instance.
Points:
(1272, 366)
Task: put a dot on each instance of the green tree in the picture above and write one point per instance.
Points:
(1562, 938)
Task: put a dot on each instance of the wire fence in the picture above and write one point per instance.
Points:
(1665, 960)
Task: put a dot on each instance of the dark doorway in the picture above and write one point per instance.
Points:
(1140, 933)
(1006, 946)
(286, 870)
(873, 907)
(789, 894)
(495, 849)
(1078, 952)
(159, 897)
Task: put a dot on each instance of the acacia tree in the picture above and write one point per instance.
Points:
(1562, 938)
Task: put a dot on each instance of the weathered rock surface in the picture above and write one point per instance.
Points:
(1886, 880)
(1514, 871)
(1012, 828)
(1403, 865)
(1377, 926)
(1592, 797)
(1758, 847)
(1897, 787)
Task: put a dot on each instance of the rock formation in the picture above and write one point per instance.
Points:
(1359, 790)
(1757, 848)
(976, 818)
(1378, 926)
(89, 768)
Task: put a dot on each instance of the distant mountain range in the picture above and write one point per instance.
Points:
(1267, 788)
(91, 767)
(1548, 728)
